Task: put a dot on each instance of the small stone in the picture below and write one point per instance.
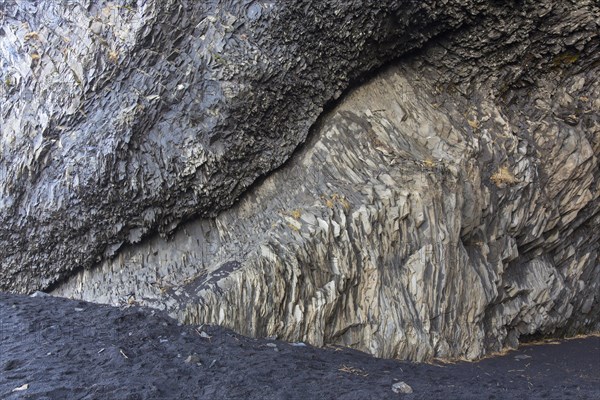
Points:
(193, 359)
(78, 309)
(401, 387)
(96, 27)
(571, 119)
(21, 388)
(39, 294)
(522, 357)
(204, 335)
(299, 344)
(271, 345)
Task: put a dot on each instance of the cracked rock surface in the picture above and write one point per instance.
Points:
(121, 118)
(444, 208)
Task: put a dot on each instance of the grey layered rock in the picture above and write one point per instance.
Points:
(121, 118)
(443, 209)
(414, 224)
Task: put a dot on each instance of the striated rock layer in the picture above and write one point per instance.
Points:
(444, 209)
(423, 219)
(121, 118)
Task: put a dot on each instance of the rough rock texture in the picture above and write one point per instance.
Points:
(124, 117)
(443, 209)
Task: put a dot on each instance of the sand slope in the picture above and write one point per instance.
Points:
(54, 348)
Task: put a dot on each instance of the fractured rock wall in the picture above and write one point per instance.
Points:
(444, 209)
(121, 118)
(417, 222)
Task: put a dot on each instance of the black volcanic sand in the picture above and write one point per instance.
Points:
(54, 348)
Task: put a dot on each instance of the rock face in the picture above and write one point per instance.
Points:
(443, 209)
(124, 117)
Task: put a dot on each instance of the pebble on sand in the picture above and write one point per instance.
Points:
(193, 359)
(401, 387)
(39, 294)
(21, 388)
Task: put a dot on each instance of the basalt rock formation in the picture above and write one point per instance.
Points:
(122, 118)
(444, 208)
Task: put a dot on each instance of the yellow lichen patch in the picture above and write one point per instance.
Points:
(291, 218)
(331, 201)
(565, 59)
(503, 177)
(429, 163)
(473, 123)
(34, 56)
(163, 289)
(31, 36)
(345, 203)
(113, 56)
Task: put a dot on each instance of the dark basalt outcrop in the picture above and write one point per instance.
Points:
(443, 209)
